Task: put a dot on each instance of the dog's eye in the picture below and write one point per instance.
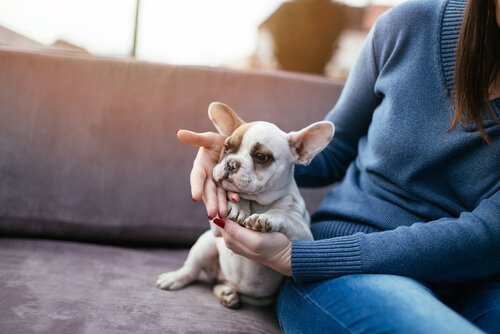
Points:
(261, 158)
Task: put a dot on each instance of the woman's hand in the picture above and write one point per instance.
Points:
(202, 184)
(272, 249)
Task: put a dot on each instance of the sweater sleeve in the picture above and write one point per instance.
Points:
(351, 115)
(442, 251)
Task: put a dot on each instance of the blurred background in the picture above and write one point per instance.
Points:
(319, 37)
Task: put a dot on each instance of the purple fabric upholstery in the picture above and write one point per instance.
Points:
(88, 148)
(64, 287)
(88, 152)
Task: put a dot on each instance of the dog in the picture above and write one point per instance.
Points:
(257, 162)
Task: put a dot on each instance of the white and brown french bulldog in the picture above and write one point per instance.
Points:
(257, 162)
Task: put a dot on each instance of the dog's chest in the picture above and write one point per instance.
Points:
(258, 208)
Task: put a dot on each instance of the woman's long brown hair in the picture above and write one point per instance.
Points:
(477, 65)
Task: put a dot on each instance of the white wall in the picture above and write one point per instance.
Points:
(208, 32)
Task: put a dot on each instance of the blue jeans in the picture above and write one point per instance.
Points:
(387, 304)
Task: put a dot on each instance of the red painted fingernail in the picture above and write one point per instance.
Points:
(209, 218)
(194, 200)
(219, 222)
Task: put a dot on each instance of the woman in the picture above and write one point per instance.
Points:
(409, 240)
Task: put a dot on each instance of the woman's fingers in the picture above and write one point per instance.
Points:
(233, 197)
(242, 237)
(209, 140)
(272, 249)
(202, 185)
(197, 178)
(222, 200)
(210, 198)
(238, 238)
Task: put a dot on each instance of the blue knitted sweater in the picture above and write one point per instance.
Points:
(414, 199)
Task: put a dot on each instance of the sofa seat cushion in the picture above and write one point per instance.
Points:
(65, 287)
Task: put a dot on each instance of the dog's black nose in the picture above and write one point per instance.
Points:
(232, 166)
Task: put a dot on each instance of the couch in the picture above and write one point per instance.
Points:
(94, 188)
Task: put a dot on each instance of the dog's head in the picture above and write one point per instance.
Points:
(258, 157)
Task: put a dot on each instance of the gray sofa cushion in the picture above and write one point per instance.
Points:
(64, 287)
(88, 148)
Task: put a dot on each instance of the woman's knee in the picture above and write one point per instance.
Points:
(298, 312)
(361, 302)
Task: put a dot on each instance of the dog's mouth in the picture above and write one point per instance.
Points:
(226, 178)
(239, 182)
(228, 184)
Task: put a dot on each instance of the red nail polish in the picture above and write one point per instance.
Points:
(194, 200)
(219, 222)
(209, 218)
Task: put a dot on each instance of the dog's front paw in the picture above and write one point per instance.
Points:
(173, 280)
(258, 222)
(236, 212)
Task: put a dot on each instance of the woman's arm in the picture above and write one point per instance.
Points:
(352, 116)
(444, 250)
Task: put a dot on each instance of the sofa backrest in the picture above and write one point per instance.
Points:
(88, 149)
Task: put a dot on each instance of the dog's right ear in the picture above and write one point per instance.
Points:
(224, 118)
(311, 140)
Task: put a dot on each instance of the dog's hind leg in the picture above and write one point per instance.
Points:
(228, 296)
(202, 257)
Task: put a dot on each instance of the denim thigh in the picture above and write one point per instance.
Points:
(366, 304)
(478, 302)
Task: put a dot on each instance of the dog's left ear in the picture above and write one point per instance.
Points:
(224, 118)
(308, 142)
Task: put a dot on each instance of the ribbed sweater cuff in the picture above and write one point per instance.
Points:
(327, 258)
